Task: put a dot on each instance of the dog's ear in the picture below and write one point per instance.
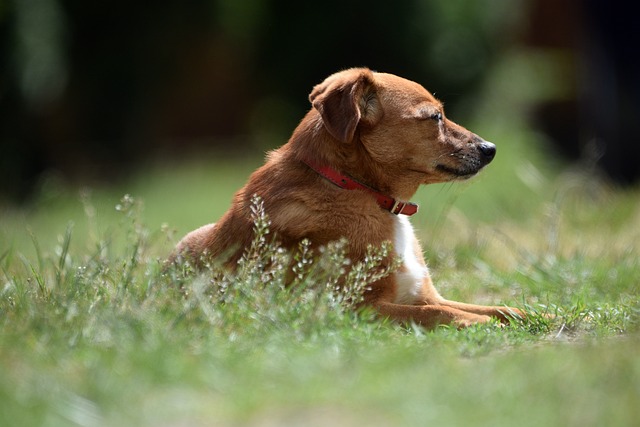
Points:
(344, 100)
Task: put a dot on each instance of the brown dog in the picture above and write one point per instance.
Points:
(367, 144)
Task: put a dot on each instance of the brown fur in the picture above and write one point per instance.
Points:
(386, 132)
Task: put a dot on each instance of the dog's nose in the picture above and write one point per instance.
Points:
(488, 150)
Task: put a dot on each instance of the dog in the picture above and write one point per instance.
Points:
(363, 149)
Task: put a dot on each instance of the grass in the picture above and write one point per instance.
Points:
(93, 332)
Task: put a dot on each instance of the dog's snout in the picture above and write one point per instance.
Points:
(488, 150)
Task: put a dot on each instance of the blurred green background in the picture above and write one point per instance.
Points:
(89, 91)
(176, 102)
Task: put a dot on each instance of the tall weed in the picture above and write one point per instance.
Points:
(304, 292)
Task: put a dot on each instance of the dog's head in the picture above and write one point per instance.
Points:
(398, 128)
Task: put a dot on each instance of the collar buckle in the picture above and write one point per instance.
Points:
(397, 207)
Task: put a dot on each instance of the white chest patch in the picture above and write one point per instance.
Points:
(411, 274)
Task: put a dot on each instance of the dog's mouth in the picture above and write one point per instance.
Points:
(460, 173)
(451, 173)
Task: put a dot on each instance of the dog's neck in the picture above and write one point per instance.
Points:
(388, 203)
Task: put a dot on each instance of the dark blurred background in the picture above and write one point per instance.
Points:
(88, 89)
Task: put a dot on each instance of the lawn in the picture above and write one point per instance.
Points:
(94, 333)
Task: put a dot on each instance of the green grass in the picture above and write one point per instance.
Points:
(94, 333)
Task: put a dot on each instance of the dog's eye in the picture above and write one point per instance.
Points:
(437, 117)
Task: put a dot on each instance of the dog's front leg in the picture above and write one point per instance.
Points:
(504, 314)
(430, 316)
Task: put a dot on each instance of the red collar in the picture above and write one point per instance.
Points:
(343, 181)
